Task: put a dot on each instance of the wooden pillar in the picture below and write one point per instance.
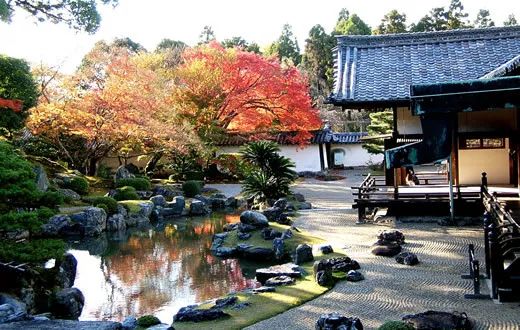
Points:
(322, 159)
(389, 172)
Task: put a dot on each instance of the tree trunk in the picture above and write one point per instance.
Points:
(92, 166)
(152, 163)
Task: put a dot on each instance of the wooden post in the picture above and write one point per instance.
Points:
(484, 182)
(452, 200)
(487, 222)
(495, 259)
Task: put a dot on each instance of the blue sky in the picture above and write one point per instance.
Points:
(149, 21)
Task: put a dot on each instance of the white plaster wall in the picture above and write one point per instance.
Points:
(487, 121)
(305, 159)
(495, 162)
(355, 155)
(406, 123)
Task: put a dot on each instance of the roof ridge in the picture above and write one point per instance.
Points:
(504, 69)
(410, 38)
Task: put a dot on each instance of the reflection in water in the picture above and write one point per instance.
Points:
(156, 270)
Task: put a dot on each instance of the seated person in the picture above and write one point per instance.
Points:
(411, 179)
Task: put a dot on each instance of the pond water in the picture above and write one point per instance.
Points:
(156, 270)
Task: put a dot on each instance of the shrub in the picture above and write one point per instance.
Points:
(194, 176)
(78, 184)
(51, 199)
(104, 207)
(109, 202)
(137, 183)
(148, 321)
(39, 250)
(104, 172)
(191, 188)
(396, 325)
(126, 193)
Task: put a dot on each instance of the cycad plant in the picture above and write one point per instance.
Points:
(270, 174)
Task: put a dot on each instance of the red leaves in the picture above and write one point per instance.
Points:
(15, 105)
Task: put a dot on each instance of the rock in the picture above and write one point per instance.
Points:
(255, 252)
(324, 277)
(158, 200)
(218, 240)
(390, 236)
(68, 304)
(280, 280)
(225, 302)
(231, 202)
(245, 228)
(122, 173)
(203, 199)
(67, 270)
(304, 206)
(254, 218)
(62, 325)
(144, 194)
(335, 321)
(69, 193)
(288, 269)
(354, 276)
(287, 234)
(217, 203)
(93, 220)
(116, 222)
(27, 297)
(140, 214)
(175, 207)
(11, 309)
(270, 234)
(230, 226)
(273, 213)
(299, 197)
(341, 264)
(438, 320)
(407, 258)
(168, 191)
(279, 248)
(198, 207)
(42, 181)
(243, 236)
(386, 250)
(192, 314)
(303, 254)
(263, 289)
(326, 249)
(281, 204)
(284, 219)
(129, 323)
(225, 252)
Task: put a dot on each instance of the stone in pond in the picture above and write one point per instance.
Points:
(198, 207)
(68, 304)
(116, 222)
(288, 269)
(192, 314)
(303, 254)
(354, 276)
(387, 250)
(158, 200)
(280, 280)
(255, 252)
(254, 218)
(337, 321)
(326, 249)
(225, 252)
(67, 271)
(263, 289)
(407, 258)
(439, 320)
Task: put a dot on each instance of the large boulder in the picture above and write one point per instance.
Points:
(158, 200)
(68, 304)
(116, 222)
(337, 321)
(257, 253)
(11, 309)
(303, 254)
(89, 222)
(42, 181)
(389, 250)
(324, 277)
(122, 173)
(67, 271)
(273, 213)
(139, 213)
(438, 320)
(168, 190)
(174, 208)
(288, 269)
(198, 207)
(254, 218)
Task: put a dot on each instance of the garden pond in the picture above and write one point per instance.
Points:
(157, 270)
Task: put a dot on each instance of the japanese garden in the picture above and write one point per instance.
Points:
(368, 180)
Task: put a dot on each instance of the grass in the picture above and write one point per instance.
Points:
(269, 304)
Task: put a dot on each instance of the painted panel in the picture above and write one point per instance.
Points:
(406, 123)
(355, 155)
(495, 162)
(487, 121)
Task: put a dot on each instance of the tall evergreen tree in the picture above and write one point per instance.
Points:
(353, 25)
(457, 18)
(483, 19)
(206, 35)
(511, 20)
(317, 60)
(286, 47)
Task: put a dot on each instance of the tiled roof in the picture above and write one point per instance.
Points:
(379, 69)
(321, 136)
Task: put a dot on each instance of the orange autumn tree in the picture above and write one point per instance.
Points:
(230, 90)
(125, 108)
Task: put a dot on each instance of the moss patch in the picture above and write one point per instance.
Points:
(269, 304)
(133, 205)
